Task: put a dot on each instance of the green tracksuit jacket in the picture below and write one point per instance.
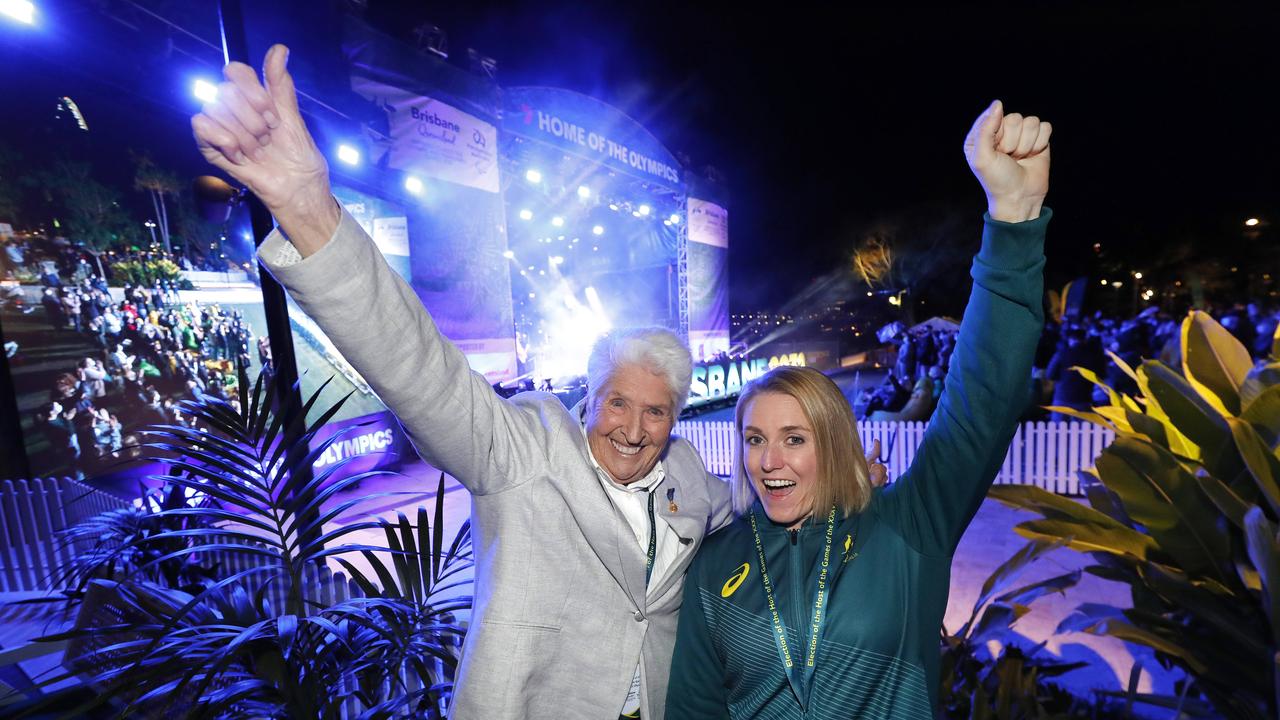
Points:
(890, 566)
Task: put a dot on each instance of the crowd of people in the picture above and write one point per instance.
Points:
(1151, 335)
(52, 259)
(912, 386)
(151, 351)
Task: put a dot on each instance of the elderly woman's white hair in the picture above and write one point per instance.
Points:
(654, 348)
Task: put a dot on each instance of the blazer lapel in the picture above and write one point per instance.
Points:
(689, 521)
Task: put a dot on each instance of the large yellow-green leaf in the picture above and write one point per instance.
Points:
(1124, 366)
(1086, 537)
(1214, 361)
(1260, 379)
(1089, 529)
(1118, 416)
(1249, 576)
(1120, 628)
(1165, 499)
(1178, 442)
(1091, 417)
(1264, 551)
(1091, 376)
(1154, 430)
(1262, 408)
(1228, 502)
(1221, 611)
(1191, 413)
(1263, 465)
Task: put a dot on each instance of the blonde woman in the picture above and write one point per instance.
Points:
(823, 599)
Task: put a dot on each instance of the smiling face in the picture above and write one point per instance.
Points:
(780, 457)
(629, 422)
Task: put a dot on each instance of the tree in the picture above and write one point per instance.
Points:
(914, 254)
(157, 183)
(197, 235)
(10, 184)
(93, 212)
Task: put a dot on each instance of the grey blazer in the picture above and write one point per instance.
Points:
(561, 611)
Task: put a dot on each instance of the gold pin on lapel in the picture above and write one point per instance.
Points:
(671, 500)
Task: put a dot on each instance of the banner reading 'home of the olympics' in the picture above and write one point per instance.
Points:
(591, 129)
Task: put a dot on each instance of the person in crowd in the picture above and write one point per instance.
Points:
(106, 433)
(92, 378)
(589, 584)
(71, 306)
(54, 422)
(53, 311)
(825, 597)
(1079, 348)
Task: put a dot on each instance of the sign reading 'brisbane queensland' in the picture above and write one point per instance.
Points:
(714, 380)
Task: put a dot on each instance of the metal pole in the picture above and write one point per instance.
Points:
(275, 304)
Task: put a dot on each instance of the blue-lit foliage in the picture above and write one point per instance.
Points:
(163, 632)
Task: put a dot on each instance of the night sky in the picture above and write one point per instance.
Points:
(825, 121)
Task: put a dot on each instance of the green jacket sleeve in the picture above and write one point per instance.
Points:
(696, 688)
(984, 394)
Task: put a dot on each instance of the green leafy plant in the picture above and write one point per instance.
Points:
(146, 272)
(1017, 682)
(129, 543)
(1184, 508)
(274, 639)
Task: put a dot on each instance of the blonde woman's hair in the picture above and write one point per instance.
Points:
(843, 478)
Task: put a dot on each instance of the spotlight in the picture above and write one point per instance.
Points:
(643, 209)
(204, 90)
(1251, 222)
(557, 221)
(1137, 276)
(508, 254)
(20, 10)
(526, 214)
(597, 230)
(667, 223)
(348, 155)
(675, 219)
(556, 259)
(584, 192)
(413, 185)
(533, 176)
(613, 207)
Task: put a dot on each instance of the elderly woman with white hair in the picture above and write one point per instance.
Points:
(584, 519)
(824, 598)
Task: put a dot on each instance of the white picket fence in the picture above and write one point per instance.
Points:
(31, 513)
(1045, 454)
